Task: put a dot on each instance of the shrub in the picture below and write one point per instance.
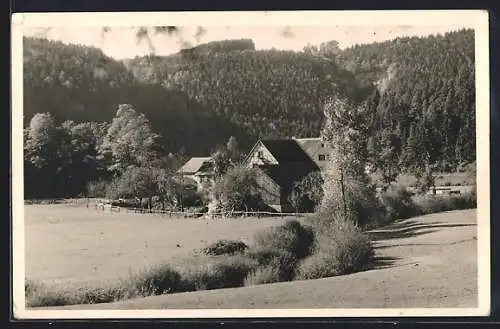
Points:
(341, 248)
(291, 237)
(49, 297)
(398, 203)
(156, 280)
(237, 190)
(429, 204)
(205, 273)
(274, 266)
(225, 247)
(41, 295)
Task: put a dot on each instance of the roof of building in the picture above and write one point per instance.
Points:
(286, 150)
(285, 175)
(310, 145)
(194, 165)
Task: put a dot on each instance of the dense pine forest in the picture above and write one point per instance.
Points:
(419, 91)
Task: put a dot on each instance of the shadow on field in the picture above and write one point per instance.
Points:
(409, 228)
(381, 262)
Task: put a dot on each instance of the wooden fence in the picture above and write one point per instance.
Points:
(188, 214)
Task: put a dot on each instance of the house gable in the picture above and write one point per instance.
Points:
(260, 155)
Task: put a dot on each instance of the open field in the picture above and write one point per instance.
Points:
(78, 246)
(429, 261)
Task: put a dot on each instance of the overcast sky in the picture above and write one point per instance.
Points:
(120, 42)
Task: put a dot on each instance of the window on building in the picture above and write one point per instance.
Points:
(322, 145)
(321, 157)
(260, 154)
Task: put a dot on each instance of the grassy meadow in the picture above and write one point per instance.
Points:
(79, 246)
(85, 255)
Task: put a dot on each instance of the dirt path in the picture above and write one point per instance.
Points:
(429, 261)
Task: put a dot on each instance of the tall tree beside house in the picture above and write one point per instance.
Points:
(348, 192)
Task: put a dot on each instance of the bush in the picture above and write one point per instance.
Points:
(225, 247)
(274, 266)
(429, 204)
(398, 203)
(341, 248)
(291, 237)
(48, 296)
(41, 295)
(156, 280)
(206, 273)
(237, 190)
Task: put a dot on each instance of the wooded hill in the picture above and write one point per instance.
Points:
(420, 92)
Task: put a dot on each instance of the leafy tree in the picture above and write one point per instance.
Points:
(386, 154)
(139, 183)
(129, 141)
(237, 190)
(222, 162)
(348, 191)
(307, 193)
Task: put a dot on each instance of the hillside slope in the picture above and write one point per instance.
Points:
(424, 103)
(201, 96)
(195, 99)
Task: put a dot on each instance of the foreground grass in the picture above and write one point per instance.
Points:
(280, 253)
(428, 268)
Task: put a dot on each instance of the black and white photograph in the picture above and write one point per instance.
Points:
(250, 164)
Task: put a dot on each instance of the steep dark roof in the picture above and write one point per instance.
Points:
(286, 150)
(286, 174)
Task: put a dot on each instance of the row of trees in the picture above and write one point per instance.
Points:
(120, 159)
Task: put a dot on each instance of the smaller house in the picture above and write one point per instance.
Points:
(200, 169)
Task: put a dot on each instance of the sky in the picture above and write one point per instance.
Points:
(121, 42)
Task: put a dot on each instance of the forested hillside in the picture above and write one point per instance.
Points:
(419, 91)
(424, 103)
(194, 99)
